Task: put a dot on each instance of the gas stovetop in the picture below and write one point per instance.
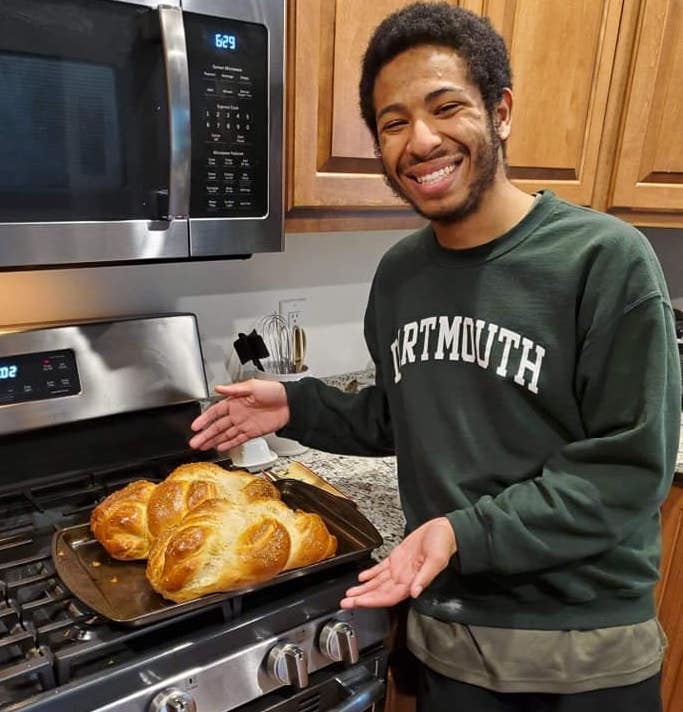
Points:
(120, 411)
(50, 641)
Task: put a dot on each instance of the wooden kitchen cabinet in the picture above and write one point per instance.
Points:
(397, 699)
(402, 673)
(334, 181)
(562, 56)
(595, 119)
(670, 600)
(649, 154)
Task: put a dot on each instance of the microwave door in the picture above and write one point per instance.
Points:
(92, 152)
(236, 64)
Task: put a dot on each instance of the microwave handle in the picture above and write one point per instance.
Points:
(178, 92)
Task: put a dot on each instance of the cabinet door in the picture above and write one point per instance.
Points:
(670, 601)
(562, 54)
(649, 160)
(333, 176)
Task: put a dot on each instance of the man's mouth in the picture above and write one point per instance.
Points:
(436, 175)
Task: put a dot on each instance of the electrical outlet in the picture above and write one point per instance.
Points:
(292, 311)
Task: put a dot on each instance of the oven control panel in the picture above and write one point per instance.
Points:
(295, 659)
(37, 376)
(288, 663)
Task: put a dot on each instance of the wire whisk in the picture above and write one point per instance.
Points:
(278, 339)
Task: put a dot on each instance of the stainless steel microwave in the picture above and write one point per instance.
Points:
(139, 130)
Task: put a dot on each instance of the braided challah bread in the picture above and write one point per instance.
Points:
(220, 547)
(120, 523)
(127, 521)
(193, 483)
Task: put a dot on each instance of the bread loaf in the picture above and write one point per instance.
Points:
(220, 547)
(193, 483)
(310, 540)
(119, 522)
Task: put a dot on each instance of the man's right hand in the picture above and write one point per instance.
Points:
(249, 409)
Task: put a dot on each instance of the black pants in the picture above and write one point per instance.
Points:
(437, 693)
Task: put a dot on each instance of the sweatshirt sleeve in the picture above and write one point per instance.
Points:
(599, 490)
(328, 419)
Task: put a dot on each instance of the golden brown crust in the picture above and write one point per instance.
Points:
(220, 547)
(119, 522)
(217, 547)
(195, 482)
(311, 540)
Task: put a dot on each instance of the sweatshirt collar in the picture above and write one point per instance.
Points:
(542, 206)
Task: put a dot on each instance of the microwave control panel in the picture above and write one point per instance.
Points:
(37, 376)
(228, 63)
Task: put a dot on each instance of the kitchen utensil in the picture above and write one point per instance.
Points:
(284, 447)
(299, 339)
(278, 340)
(298, 471)
(251, 347)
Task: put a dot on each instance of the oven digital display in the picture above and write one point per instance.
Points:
(37, 376)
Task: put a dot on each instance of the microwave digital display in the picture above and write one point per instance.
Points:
(225, 41)
(38, 376)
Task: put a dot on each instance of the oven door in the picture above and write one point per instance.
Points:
(89, 150)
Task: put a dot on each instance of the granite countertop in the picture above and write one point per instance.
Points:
(369, 481)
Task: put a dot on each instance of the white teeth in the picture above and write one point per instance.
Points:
(431, 177)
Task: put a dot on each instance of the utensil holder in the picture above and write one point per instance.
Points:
(283, 447)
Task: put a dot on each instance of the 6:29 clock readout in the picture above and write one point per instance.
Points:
(225, 41)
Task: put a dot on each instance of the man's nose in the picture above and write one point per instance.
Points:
(423, 138)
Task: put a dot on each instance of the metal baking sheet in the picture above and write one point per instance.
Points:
(120, 592)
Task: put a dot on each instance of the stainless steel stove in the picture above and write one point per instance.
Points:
(84, 409)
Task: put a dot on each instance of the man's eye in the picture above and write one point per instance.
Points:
(394, 125)
(448, 108)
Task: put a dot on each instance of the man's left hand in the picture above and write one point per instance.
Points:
(408, 569)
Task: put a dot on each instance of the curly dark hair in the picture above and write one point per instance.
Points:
(420, 23)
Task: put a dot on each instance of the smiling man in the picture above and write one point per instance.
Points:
(441, 148)
(528, 382)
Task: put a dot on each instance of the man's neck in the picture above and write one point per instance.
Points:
(500, 210)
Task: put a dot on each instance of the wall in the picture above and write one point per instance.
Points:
(333, 271)
(668, 244)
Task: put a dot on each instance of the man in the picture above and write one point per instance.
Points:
(528, 381)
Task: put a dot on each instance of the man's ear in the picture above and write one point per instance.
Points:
(502, 115)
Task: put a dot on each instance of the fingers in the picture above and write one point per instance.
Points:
(376, 582)
(243, 388)
(211, 414)
(381, 591)
(429, 570)
(374, 571)
(220, 432)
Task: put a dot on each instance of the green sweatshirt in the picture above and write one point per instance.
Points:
(530, 389)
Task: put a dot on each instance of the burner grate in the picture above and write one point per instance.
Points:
(26, 678)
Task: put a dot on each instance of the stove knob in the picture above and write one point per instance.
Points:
(339, 642)
(173, 700)
(287, 663)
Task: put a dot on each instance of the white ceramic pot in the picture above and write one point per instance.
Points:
(284, 447)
